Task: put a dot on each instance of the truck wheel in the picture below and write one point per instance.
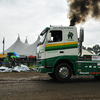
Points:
(63, 72)
(52, 75)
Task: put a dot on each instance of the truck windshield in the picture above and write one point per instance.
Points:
(42, 38)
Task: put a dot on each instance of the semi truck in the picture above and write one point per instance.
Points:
(59, 53)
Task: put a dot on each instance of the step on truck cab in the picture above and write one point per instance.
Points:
(59, 53)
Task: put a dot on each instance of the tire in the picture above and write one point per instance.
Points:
(63, 72)
(52, 75)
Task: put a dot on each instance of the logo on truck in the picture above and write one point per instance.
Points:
(70, 36)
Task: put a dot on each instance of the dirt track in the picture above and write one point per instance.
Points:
(38, 86)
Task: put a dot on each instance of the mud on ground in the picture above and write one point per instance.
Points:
(39, 86)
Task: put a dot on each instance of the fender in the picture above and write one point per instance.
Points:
(70, 58)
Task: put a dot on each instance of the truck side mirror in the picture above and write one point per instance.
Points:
(81, 38)
(48, 37)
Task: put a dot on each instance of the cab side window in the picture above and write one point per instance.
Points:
(56, 36)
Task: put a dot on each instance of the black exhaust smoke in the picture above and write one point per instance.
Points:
(80, 10)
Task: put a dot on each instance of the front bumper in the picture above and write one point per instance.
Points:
(42, 70)
(41, 67)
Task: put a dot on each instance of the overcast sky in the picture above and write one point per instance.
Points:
(30, 17)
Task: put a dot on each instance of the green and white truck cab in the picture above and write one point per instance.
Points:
(59, 54)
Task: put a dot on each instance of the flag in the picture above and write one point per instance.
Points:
(3, 45)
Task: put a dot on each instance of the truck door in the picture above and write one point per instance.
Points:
(55, 47)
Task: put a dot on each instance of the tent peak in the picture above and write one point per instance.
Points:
(26, 40)
(18, 37)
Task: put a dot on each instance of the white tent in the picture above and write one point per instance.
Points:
(23, 48)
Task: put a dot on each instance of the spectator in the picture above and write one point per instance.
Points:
(28, 62)
(17, 62)
(13, 62)
(23, 62)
